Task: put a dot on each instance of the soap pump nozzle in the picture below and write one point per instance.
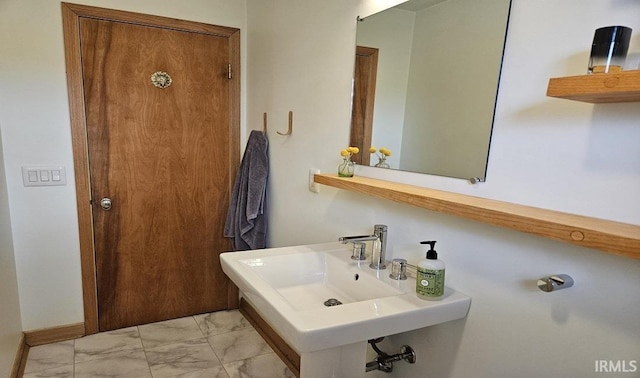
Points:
(431, 253)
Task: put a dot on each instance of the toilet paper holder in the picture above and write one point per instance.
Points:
(555, 282)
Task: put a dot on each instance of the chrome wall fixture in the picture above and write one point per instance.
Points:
(384, 362)
(555, 282)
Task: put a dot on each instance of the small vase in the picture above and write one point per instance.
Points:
(382, 163)
(346, 168)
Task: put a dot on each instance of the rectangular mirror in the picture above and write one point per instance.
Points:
(425, 85)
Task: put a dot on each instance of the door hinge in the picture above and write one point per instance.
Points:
(230, 75)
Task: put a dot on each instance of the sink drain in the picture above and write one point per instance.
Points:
(332, 302)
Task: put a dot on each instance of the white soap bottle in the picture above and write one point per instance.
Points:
(430, 275)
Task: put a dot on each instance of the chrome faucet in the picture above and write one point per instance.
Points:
(379, 262)
(359, 248)
(379, 236)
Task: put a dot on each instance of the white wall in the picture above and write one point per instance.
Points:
(10, 324)
(35, 125)
(550, 153)
(546, 152)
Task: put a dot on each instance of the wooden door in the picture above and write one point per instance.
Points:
(364, 93)
(165, 159)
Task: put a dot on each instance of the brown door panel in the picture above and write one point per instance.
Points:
(162, 156)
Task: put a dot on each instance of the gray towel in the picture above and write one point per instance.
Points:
(246, 218)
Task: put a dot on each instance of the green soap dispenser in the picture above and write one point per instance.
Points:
(430, 275)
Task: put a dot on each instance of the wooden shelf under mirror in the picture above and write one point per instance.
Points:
(609, 236)
(597, 88)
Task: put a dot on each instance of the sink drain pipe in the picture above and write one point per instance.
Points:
(384, 362)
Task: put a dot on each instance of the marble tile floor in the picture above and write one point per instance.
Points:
(219, 344)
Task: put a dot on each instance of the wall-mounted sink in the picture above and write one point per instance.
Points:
(288, 287)
(308, 280)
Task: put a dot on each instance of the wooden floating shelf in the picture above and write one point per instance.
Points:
(597, 88)
(609, 236)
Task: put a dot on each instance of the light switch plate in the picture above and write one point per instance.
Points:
(44, 175)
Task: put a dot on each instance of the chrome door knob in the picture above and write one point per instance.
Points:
(105, 204)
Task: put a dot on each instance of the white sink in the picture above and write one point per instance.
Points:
(307, 280)
(288, 287)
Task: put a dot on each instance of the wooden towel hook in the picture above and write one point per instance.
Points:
(264, 123)
(290, 130)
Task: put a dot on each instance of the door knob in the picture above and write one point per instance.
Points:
(105, 203)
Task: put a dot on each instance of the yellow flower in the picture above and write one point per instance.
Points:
(382, 154)
(349, 151)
